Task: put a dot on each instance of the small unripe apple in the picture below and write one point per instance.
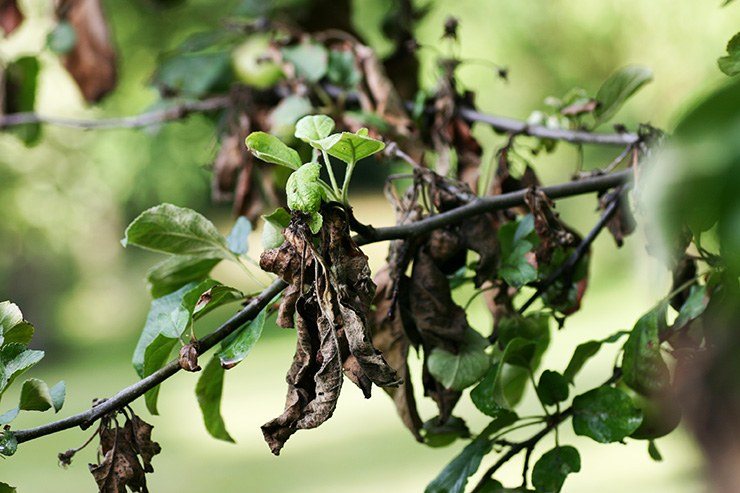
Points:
(253, 65)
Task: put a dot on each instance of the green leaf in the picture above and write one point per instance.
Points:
(309, 59)
(237, 239)
(8, 443)
(10, 316)
(643, 368)
(283, 117)
(438, 434)
(342, 69)
(58, 394)
(553, 467)
(177, 271)
(9, 416)
(514, 239)
(210, 298)
(618, 88)
(275, 223)
(303, 188)
(350, 147)
(552, 388)
(235, 349)
(166, 317)
(272, 150)
(62, 38)
(208, 390)
(21, 333)
(653, 451)
(178, 230)
(692, 307)
(12, 326)
(586, 351)
(312, 128)
(459, 371)
(730, 64)
(157, 355)
(21, 81)
(605, 414)
(35, 396)
(15, 359)
(194, 74)
(6, 488)
(315, 221)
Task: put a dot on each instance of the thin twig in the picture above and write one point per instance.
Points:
(479, 206)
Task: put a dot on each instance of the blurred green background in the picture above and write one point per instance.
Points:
(66, 202)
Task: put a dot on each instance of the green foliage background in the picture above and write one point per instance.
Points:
(65, 203)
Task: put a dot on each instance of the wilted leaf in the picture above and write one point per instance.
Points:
(92, 61)
(236, 348)
(35, 396)
(553, 467)
(730, 64)
(605, 414)
(188, 357)
(120, 448)
(618, 88)
(208, 390)
(303, 189)
(237, 239)
(459, 371)
(309, 59)
(272, 150)
(643, 367)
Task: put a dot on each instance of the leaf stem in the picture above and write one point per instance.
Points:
(347, 179)
(330, 170)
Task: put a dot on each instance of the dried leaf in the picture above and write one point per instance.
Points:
(10, 16)
(92, 61)
(622, 222)
(189, 357)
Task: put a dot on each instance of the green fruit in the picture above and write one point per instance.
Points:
(660, 415)
(252, 63)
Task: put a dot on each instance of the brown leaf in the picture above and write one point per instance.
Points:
(622, 223)
(92, 61)
(189, 357)
(445, 398)
(552, 232)
(580, 108)
(143, 440)
(10, 16)
(120, 467)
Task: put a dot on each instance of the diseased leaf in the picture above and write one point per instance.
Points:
(178, 230)
(350, 147)
(309, 59)
(459, 371)
(272, 150)
(177, 271)
(207, 296)
(586, 351)
(208, 390)
(553, 467)
(236, 348)
(605, 414)
(730, 64)
(313, 128)
(35, 396)
(618, 88)
(643, 368)
(237, 239)
(552, 388)
(303, 188)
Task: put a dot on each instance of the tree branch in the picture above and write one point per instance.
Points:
(177, 112)
(182, 110)
(479, 206)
